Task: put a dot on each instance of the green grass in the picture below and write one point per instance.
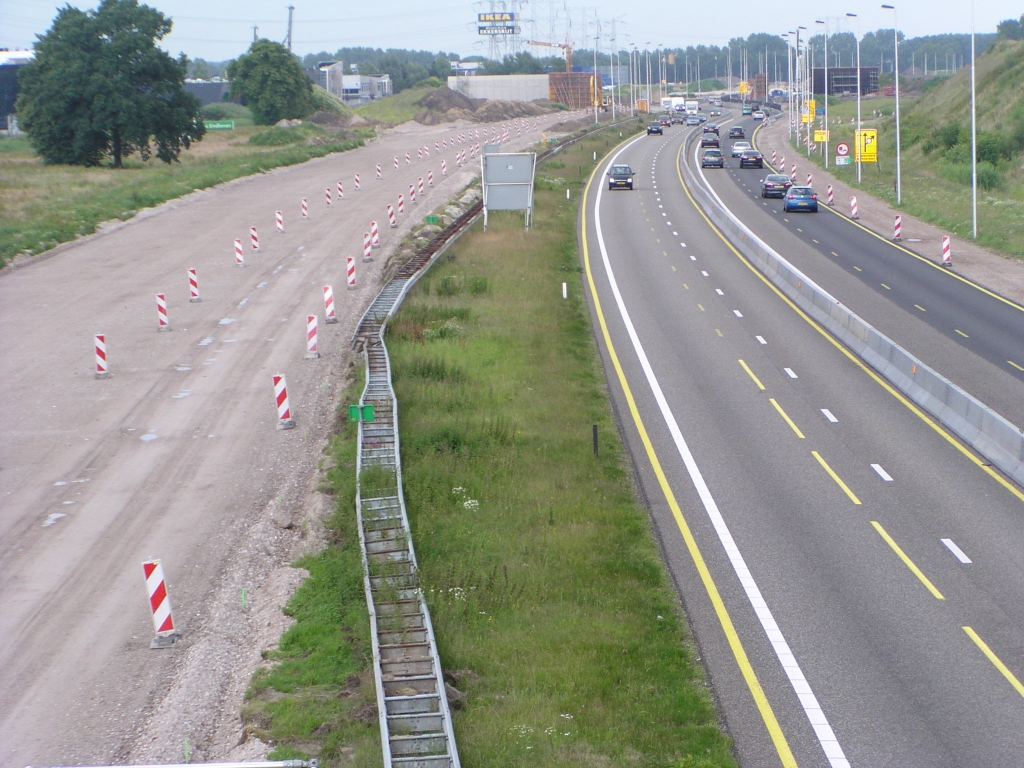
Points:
(42, 206)
(550, 602)
(399, 108)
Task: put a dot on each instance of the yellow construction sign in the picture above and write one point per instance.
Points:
(744, 88)
(820, 136)
(865, 144)
(807, 111)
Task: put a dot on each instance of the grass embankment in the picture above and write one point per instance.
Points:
(44, 205)
(550, 602)
(935, 150)
(397, 108)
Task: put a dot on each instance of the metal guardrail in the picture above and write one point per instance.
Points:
(990, 434)
(415, 719)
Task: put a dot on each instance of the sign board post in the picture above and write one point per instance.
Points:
(866, 145)
(508, 182)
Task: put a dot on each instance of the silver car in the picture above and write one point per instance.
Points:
(739, 146)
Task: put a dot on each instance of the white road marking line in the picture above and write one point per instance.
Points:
(704, 273)
(790, 372)
(829, 416)
(881, 472)
(675, 234)
(737, 313)
(760, 340)
(719, 291)
(957, 552)
(783, 653)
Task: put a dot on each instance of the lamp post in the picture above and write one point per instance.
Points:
(826, 89)
(647, 54)
(896, 79)
(789, 79)
(857, 137)
(974, 139)
(801, 84)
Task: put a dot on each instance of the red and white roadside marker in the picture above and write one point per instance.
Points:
(419, 183)
(412, 194)
(327, 196)
(239, 256)
(193, 287)
(374, 235)
(161, 313)
(430, 178)
(437, 147)
(947, 259)
(773, 157)
(782, 164)
(305, 208)
(379, 176)
(444, 168)
(792, 173)
(254, 239)
(351, 272)
(329, 316)
(419, 153)
(853, 208)
(355, 180)
(159, 605)
(809, 178)
(392, 221)
(831, 195)
(401, 204)
(396, 162)
(100, 348)
(367, 247)
(311, 351)
(284, 410)
(408, 159)
(341, 191)
(279, 219)
(897, 227)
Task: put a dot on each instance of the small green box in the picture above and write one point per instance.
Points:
(367, 413)
(357, 411)
(353, 413)
(432, 220)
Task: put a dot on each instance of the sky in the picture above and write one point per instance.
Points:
(216, 30)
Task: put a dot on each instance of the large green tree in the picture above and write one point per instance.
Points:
(99, 87)
(270, 81)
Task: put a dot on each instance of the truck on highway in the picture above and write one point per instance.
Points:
(692, 106)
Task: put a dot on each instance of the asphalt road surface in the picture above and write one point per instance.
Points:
(176, 456)
(853, 575)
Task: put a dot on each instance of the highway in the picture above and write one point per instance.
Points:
(852, 574)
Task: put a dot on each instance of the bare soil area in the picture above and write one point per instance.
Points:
(177, 455)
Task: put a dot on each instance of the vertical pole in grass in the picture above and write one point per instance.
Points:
(595, 441)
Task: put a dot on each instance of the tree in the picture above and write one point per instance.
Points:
(270, 81)
(199, 69)
(1011, 29)
(99, 87)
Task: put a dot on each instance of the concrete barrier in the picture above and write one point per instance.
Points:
(991, 435)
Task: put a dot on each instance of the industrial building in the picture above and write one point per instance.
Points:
(843, 80)
(352, 88)
(577, 90)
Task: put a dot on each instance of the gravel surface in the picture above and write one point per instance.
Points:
(177, 456)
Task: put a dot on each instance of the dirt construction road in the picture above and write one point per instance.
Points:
(176, 456)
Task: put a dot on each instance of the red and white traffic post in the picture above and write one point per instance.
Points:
(853, 208)
(437, 147)
(947, 260)
(327, 196)
(193, 287)
(305, 208)
(419, 183)
(239, 256)
(351, 272)
(355, 180)
(831, 195)
(367, 247)
(374, 235)
(311, 351)
(430, 178)
(378, 172)
(782, 164)
(396, 162)
(284, 410)
(100, 348)
(809, 178)
(401, 204)
(392, 221)
(161, 313)
(419, 153)
(329, 316)
(254, 239)
(279, 218)
(897, 226)
(773, 157)
(341, 191)
(408, 159)
(159, 605)
(444, 168)
(792, 173)
(412, 194)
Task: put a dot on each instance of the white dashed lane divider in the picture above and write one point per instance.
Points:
(159, 605)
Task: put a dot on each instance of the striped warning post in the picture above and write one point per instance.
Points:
(193, 287)
(419, 153)
(311, 351)
(792, 173)
(947, 259)
(284, 409)
(327, 196)
(401, 204)
(350, 272)
(367, 247)
(444, 143)
(239, 256)
(430, 177)
(773, 157)
(396, 162)
(419, 183)
(161, 313)
(444, 168)
(374, 234)
(853, 208)
(305, 208)
(379, 176)
(437, 146)
(254, 239)
(341, 191)
(831, 195)
(782, 164)
(809, 178)
(279, 218)
(159, 605)
(426, 151)
(392, 221)
(355, 180)
(408, 160)
(897, 227)
(412, 194)
(100, 347)
(329, 316)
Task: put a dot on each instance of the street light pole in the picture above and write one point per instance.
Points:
(857, 135)
(896, 79)
(826, 89)
(974, 139)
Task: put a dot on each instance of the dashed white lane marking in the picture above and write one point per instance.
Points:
(881, 472)
(206, 342)
(791, 373)
(829, 416)
(737, 313)
(760, 340)
(262, 285)
(704, 273)
(675, 234)
(719, 291)
(957, 552)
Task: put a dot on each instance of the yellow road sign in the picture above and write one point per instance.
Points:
(744, 88)
(820, 136)
(807, 111)
(865, 144)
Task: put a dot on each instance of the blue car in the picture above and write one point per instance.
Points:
(800, 199)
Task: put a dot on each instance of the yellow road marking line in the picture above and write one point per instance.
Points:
(995, 660)
(719, 333)
(907, 561)
(785, 416)
(750, 373)
(835, 254)
(920, 307)
(885, 286)
(701, 307)
(674, 269)
(732, 636)
(858, 268)
(938, 428)
(961, 333)
(837, 478)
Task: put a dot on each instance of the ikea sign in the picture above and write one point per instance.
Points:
(500, 17)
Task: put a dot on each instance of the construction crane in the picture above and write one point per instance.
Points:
(564, 46)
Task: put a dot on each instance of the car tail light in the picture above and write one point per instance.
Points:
(790, 197)
(814, 197)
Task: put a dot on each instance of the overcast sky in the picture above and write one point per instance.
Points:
(222, 29)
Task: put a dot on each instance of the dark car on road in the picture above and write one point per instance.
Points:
(711, 128)
(775, 185)
(751, 158)
(678, 118)
(712, 158)
(736, 132)
(800, 199)
(620, 177)
(654, 128)
(665, 120)
(710, 140)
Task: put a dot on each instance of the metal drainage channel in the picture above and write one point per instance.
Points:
(415, 720)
